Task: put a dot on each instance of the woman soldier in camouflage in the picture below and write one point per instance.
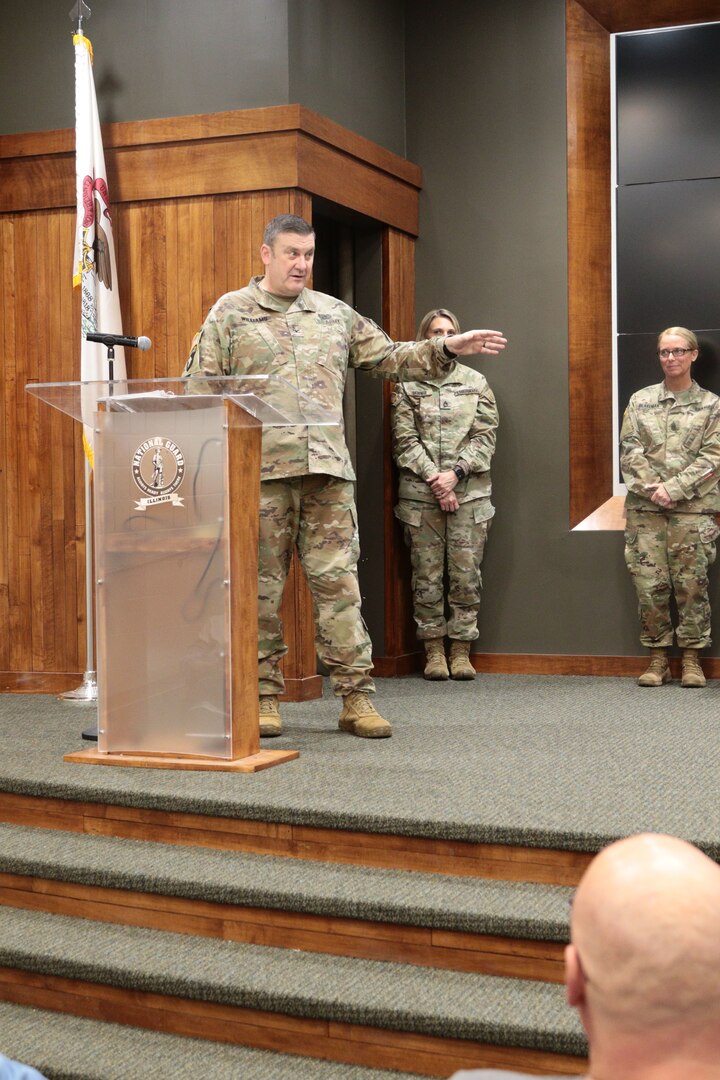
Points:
(443, 440)
(670, 459)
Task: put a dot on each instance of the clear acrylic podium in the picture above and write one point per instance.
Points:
(177, 467)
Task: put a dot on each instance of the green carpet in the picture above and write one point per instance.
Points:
(566, 762)
(514, 909)
(64, 1047)
(429, 1001)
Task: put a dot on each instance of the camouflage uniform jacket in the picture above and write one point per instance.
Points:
(440, 423)
(674, 442)
(310, 344)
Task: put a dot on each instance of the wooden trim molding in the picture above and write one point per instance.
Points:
(252, 150)
(620, 15)
(398, 292)
(450, 950)
(589, 262)
(372, 1047)
(500, 862)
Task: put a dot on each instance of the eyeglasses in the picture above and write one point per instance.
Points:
(665, 354)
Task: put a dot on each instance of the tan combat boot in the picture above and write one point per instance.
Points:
(460, 666)
(435, 662)
(360, 717)
(270, 722)
(692, 673)
(659, 670)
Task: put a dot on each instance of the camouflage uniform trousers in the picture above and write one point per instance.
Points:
(437, 539)
(316, 513)
(666, 553)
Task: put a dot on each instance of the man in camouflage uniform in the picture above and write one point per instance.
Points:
(276, 325)
(443, 440)
(670, 459)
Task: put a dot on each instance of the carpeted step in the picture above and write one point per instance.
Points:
(237, 977)
(65, 1047)
(411, 898)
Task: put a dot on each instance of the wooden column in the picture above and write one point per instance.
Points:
(401, 652)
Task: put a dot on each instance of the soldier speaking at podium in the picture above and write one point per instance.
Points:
(276, 325)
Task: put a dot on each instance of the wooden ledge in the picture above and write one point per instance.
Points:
(502, 862)
(452, 950)
(222, 125)
(354, 1044)
(610, 516)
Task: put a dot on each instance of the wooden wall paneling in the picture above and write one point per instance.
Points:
(192, 297)
(345, 180)
(146, 316)
(7, 345)
(589, 262)
(401, 648)
(51, 356)
(188, 220)
(35, 457)
(221, 241)
(230, 239)
(19, 448)
(168, 268)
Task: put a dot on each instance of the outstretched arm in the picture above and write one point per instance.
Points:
(475, 341)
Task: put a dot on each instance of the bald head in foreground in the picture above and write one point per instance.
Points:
(643, 966)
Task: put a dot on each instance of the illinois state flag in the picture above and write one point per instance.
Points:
(94, 267)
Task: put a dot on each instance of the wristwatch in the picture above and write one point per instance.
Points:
(459, 472)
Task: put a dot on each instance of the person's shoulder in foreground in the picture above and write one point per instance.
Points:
(15, 1070)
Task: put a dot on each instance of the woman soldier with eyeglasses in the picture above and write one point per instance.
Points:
(670, 460)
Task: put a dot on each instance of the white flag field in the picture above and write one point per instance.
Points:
(94, 266)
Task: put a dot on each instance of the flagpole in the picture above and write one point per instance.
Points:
(87, 692)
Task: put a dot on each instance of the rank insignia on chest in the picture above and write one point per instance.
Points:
(445, 404)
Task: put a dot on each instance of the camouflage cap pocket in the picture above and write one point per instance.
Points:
(708, 529)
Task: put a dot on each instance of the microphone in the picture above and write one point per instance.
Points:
(111, 340)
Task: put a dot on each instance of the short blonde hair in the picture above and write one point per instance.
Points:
(426, 320)
(680, 331)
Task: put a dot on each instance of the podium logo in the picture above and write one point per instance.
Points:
(158, 469)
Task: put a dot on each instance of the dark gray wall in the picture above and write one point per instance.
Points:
(487, 125)
(347, 62)
(343, 58)
(152, 58)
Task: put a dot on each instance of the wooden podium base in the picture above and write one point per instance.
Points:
(264, 759)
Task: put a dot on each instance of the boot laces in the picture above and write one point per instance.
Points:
(361, 704)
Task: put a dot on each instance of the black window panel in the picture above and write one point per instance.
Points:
(668, 256)
(668, 104)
